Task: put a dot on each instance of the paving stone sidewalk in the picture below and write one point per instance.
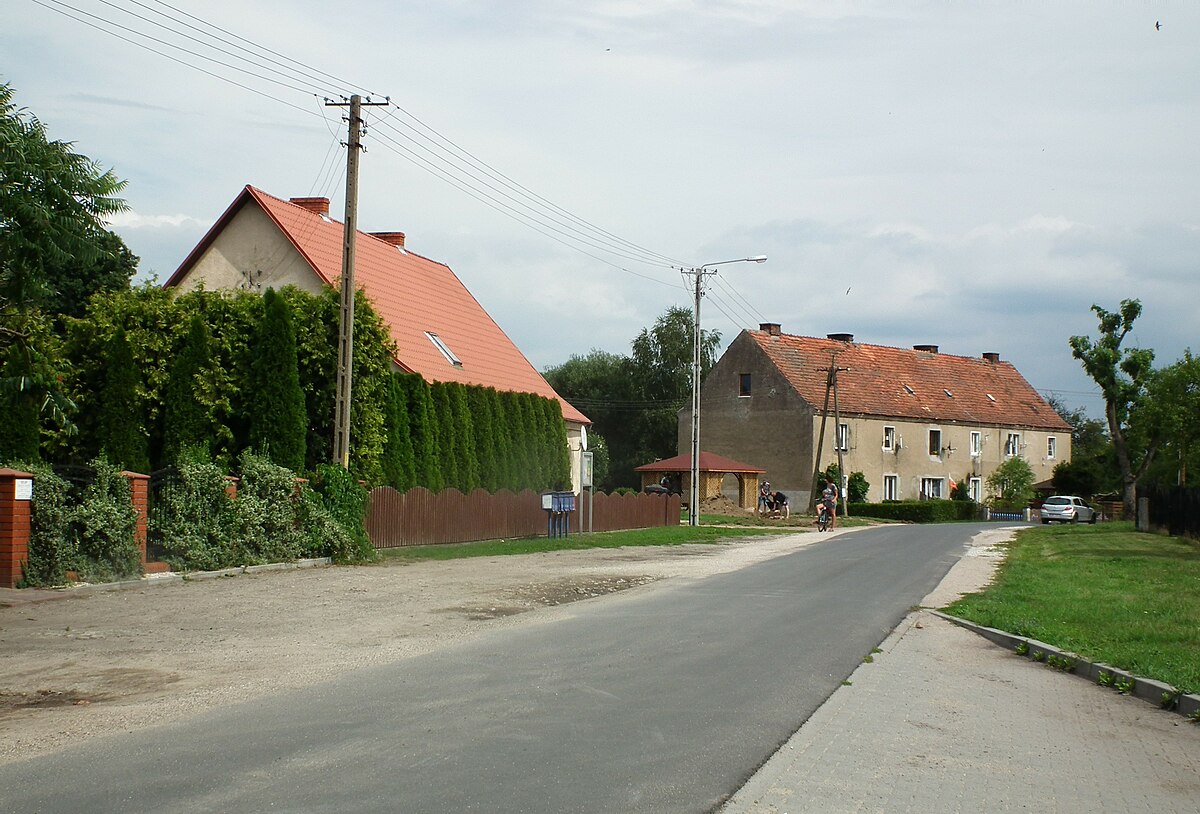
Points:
(945, 721)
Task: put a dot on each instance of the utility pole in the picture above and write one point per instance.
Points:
(345, 357)
(830, 387)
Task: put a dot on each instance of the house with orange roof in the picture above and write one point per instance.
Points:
(913, 421)
(441, 331)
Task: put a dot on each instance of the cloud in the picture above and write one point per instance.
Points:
(134, 220)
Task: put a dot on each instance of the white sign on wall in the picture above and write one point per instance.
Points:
(24, 489)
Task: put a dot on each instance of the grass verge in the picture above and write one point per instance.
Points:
(1107, 593)
(665, 535)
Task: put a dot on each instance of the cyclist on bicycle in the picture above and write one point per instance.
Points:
(829, 496)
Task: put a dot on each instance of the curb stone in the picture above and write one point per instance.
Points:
(1146, 689)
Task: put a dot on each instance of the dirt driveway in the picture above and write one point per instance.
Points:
(90, 662)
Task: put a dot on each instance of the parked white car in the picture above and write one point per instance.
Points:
(1067, 509)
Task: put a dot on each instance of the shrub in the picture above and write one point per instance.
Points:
(193, 518)
(51, 546)
(346, 502)
(103, 525)
(917, 511)
(267, 512)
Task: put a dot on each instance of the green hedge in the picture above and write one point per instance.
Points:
(918, 511)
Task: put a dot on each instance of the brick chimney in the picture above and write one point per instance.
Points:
(318, 206)
(992, 357)
(926, 348)
(394, 238)
(840, 337)
(772, 328)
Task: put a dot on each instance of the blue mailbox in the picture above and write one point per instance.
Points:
(559, 507)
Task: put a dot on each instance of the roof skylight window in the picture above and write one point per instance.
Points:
(949, 395)
(444, 348)
(911, 392)
(990, 397)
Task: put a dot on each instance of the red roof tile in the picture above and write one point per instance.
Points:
(910, 384)
(413, 295)
(709, 462)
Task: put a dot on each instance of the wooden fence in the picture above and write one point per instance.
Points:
(421, 517)
(1175, 510)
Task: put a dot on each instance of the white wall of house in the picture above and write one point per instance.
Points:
(251, 254)
(903, 460)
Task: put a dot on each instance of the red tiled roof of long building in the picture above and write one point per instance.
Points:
(413, 295)
(910, 384)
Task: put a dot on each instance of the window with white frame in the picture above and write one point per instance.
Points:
(889, 439)
(935, 442)
(976, 444)
(441, 345)
(1052, 447)
(932, 488)
(843, 437)
(1012, 447)
(975, 489)
(891, 487)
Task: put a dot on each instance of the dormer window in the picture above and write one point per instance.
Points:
(444, 348)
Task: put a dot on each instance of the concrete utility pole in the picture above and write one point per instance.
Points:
(830, 387)
(345, 357)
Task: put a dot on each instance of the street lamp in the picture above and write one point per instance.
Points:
(699, 275)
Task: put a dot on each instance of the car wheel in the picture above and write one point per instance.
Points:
(1092, 521)
(1074, 519)
(1045, 522)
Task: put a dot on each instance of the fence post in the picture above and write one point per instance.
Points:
(16, 492)
(139, 496)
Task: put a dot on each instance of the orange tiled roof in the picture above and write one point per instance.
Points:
(910, 384)
(709, 462)
(413, 295)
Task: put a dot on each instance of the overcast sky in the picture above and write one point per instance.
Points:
(970, 174)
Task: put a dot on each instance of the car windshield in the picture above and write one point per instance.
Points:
(1057, 501)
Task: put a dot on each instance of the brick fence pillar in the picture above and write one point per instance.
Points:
(139, 495)
(16, 492)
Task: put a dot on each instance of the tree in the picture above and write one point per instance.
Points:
(1122, 374)
(1093, 465)
(1011, 484)
(275, 403)
(1171, 411)
(120, 422)
(634, 401)
(185, 420)
(53, 204)
(71, 283)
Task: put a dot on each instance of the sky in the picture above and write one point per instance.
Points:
(974, 175)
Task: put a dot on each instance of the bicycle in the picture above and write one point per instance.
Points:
(823, 518)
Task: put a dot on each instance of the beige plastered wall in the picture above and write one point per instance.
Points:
(911, 462)
(251, 254)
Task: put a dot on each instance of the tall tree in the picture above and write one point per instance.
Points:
(1171, 411)
(121, 419)
(1122, 374)
(278, 421)
(53, 203)
(185, 419)
(71, 283)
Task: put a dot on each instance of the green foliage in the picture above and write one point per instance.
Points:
(267, 512)
(346, 503)
(120, 431)
(194, 520)
(20, 431)
(399, 458)
(1011, 484)
(1122, 374)
(53, 204)
(275, 403)
(1171, 413)
(51, 544)
(104, 523)
(857, 487)
(634, 400)
(71, 282)
(185, 417)
(423, 427)
(917, 511)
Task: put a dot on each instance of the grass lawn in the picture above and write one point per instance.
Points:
(663, 535)
(1104, 592)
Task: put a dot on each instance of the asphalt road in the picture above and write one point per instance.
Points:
(663, 701)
